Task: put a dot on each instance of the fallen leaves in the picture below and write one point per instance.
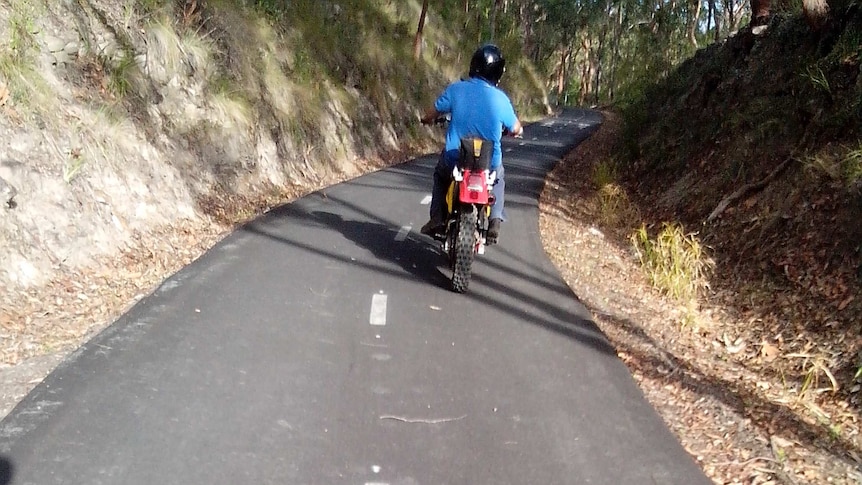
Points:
(739, 380)
(77, 303)
(768, 351)
(734, 347)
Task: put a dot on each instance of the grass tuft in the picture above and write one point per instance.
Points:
(851, 165)
(604, 173)
(73, 166)
(674, 261)
(165, 47)
(18, 57)
(815, 75)
(837, 163)
(122, 75)
(615, 208)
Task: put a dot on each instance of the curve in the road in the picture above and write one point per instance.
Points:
(319, 344)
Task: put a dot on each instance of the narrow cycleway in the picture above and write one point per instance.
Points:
(319, 344)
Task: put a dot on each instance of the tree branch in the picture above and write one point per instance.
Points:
(747, 189)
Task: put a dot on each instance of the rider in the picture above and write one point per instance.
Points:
(480, 109)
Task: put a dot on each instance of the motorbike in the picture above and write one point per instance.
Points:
(468, 209)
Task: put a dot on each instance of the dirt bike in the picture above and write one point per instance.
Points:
(468, 208)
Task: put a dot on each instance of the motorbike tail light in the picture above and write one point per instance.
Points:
(475, 184)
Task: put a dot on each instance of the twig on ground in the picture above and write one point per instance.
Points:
(419, 420)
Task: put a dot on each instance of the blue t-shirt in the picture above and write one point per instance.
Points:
(478, 109)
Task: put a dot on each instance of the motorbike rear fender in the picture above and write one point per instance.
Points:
(474, 189)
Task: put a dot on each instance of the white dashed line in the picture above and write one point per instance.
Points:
(402, 234)
(426, 200)
(378, 310)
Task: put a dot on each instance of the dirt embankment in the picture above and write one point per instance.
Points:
(739, 405)
(753, 146)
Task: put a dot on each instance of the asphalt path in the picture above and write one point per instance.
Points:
(320, 344)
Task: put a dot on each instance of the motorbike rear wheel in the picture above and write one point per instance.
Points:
(463, 250)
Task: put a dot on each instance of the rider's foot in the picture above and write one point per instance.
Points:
(493, 231)
(432, 227)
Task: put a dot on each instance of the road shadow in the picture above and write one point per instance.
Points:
(418, 257)
(414, 255)
(6, 471)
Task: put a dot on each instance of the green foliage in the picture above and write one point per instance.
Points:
(121, 74)
(605, 173)
(814, 75)
(73, 167)
(838, 163)
(851, 165)
(17, 57)
(154, 6)
(674, 260)
(848, 47)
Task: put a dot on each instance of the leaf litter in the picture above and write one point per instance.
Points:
(755, 395)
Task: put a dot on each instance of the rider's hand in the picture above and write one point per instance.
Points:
(519, 134)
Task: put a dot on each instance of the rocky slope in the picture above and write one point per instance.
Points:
(135, 126)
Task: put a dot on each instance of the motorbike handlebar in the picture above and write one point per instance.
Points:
(440, 120)
(506, 132)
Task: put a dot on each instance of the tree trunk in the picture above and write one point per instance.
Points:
(816, 13)
(738, 11)
(598, 61)
(562, 80)
(493, 26)
(417, 43)
(728, 7)
(586, 71)
(717, 27)
(760, 11)
(709, 11)
(692, 29)
(615, 54)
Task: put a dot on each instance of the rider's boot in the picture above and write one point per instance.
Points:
(433, 226)
(493, 231)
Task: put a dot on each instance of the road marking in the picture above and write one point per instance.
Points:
(426, 200)
(378, 310)
(402, 234)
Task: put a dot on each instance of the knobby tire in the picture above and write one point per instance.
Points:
(465, 243)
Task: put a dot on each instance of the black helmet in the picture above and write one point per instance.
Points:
(488, 63)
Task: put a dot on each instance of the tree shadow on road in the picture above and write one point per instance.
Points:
(413, 255)
(6, 471)
(418, 257)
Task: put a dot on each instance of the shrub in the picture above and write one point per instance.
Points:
(674, 261)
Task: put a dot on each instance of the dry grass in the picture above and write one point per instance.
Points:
(674, 261)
